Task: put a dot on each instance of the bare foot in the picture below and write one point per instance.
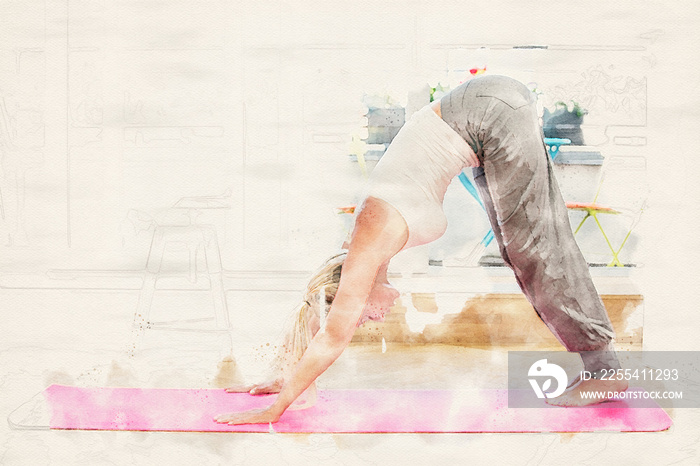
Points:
(588, 392)
(265, 388)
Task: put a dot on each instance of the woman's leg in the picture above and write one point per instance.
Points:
(531, 225)
(497, 117)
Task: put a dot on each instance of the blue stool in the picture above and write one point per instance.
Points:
(553, 145)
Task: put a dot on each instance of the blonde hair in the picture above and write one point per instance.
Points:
(322, 286)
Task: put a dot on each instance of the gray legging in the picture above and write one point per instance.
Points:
(497, 116)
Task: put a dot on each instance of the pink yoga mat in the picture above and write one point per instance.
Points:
(338, 411)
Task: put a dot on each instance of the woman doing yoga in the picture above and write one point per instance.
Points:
(489, 123)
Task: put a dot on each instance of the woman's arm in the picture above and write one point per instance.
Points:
(380, 232)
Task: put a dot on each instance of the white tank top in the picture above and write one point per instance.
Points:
(415, 171)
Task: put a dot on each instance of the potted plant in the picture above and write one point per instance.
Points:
(564, 122)
(438, 91)
(385, 117)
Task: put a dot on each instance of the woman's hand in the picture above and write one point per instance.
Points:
(265, 388)
(254, 416)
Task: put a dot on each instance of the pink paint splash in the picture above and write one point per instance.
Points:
(337, 411)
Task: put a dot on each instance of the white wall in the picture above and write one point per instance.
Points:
(116, 110)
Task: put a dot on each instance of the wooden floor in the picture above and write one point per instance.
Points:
(498, 321)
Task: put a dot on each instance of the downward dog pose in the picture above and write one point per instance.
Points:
(489, 123)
